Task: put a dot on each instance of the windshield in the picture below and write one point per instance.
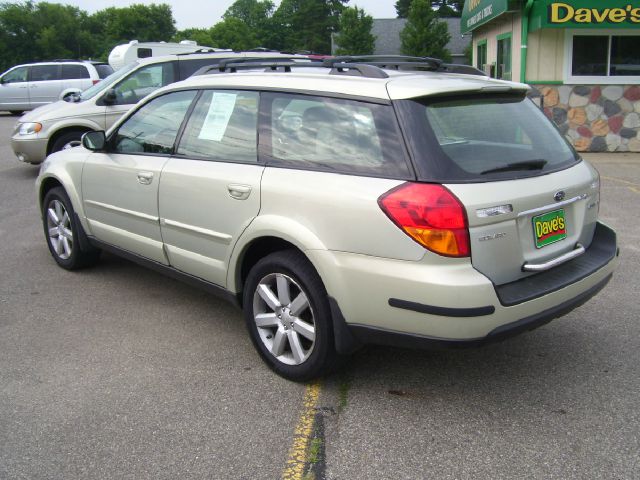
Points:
(107, 82)
(480, 138)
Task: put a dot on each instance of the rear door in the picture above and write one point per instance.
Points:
(210, 190)
(45, 84)
(75, 76)
(528, 198)
(14, 89)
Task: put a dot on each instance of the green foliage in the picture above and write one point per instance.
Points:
(402, 8)
(355, 36)
(445, 8)
(32, 31)
(424, 35)
(233, 33)
(202, 36)
(307, 24)
(257, 16)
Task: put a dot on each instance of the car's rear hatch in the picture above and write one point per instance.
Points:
(531, 202)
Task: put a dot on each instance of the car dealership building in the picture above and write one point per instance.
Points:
(583, 55)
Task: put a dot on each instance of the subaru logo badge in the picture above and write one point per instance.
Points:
(559, 196)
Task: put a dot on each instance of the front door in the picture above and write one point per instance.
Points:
(210, 190)
(14, 89)
(120, 187)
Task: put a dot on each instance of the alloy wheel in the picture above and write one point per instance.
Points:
(284, 318)
(59, 229)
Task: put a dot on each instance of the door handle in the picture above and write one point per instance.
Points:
(239, 192)
(145, 178)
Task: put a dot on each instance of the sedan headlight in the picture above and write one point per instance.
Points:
(29, 128)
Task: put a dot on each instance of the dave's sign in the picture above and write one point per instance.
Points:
(593, 13)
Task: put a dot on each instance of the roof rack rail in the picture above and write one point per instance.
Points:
(285, 65)
(204, 50)
(230, 65)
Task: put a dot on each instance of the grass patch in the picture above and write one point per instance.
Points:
(315, 448)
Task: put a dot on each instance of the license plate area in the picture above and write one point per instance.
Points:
(548, 228)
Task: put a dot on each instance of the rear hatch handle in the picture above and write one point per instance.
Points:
(541, 267)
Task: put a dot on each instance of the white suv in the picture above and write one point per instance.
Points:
(25, 87)
(342, 204)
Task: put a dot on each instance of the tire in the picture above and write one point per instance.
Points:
(15, 113)
(63, 230)
(293, 336)
(67, 140)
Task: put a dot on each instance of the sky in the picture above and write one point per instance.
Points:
(205, 13)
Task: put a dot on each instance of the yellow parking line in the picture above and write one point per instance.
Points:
(294, 469)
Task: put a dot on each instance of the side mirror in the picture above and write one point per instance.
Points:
(110, 96)
(94, 141)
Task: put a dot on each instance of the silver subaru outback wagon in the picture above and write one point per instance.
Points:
(359, 201)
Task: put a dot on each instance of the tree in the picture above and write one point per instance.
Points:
(402, 8)
(307, 24)
(257, 15)
(202, 36)
(445, 8)
(233, 33)
(424, 35)
(355, 36)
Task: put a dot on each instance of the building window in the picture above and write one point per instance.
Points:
(504, 57)
(481, 55)
(602, 56)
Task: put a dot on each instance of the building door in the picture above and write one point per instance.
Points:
(481, 55)
(503, 69)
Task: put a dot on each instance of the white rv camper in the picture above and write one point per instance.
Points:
(129, 52)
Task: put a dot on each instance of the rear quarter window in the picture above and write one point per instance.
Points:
(71, 72)
(328, 134)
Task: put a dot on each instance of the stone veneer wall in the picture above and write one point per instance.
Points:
(596, 118)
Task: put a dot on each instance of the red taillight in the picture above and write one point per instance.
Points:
(431, 215)
(95, 81)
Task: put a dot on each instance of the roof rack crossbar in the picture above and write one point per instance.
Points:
(383, 59)
(224, 65)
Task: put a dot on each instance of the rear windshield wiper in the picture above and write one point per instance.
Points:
(511, 167)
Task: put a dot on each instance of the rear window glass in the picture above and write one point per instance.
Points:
(103, 70)
(70, 72)
(331, 134)
(470, 139)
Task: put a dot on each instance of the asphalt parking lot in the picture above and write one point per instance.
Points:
(119, 372)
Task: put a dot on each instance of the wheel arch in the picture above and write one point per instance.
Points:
(58, 133)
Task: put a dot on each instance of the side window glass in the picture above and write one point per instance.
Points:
(16, 75)
(223, 127)
(144, 53)
(335, 135)
(142, 82)
(154, 127)
(43, 73)
(71, 72)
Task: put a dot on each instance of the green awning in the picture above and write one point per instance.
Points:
(585, 14)
(479, 12)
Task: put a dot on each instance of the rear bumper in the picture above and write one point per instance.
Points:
(438, 303)
(363, 334)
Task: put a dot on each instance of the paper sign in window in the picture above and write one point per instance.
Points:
(220, 110)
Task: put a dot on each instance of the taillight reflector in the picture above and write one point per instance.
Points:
(95, 81)
(431, 215)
